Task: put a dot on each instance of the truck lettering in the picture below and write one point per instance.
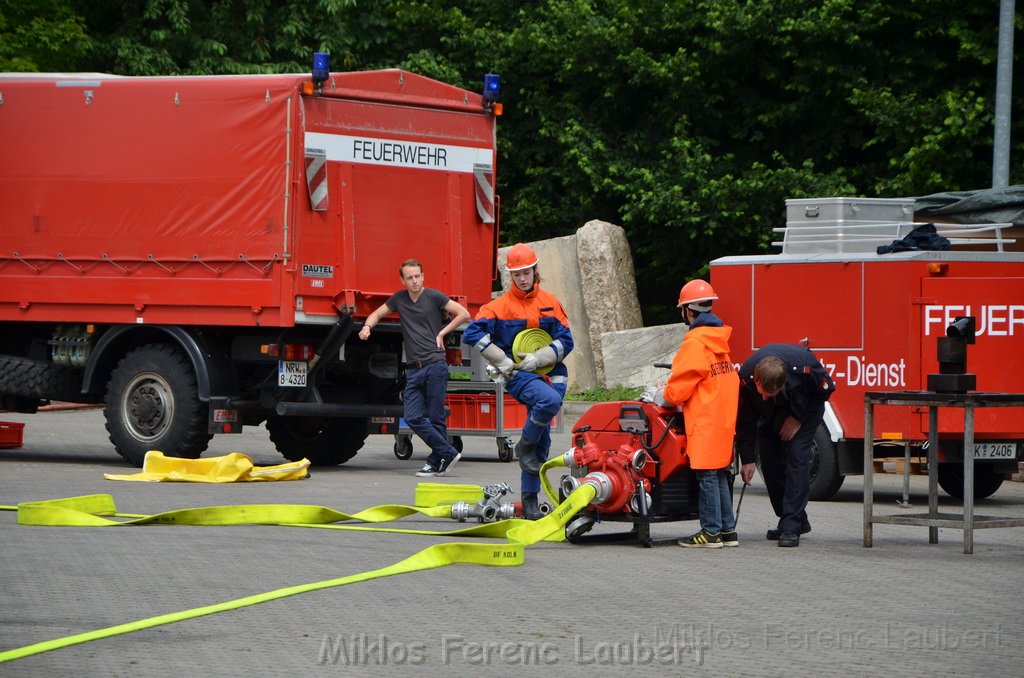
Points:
(317, 271)
(995, 321)
(860, 372)
(399, 153)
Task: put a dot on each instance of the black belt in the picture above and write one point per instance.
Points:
(420, 364)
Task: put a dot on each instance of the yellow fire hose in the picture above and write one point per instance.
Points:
(98, 510)
(528, 341)
(554, 462)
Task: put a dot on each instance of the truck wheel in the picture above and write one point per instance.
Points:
(825, 476)
(41, 380)
(151, 404)
(986, 481)
(324, 441)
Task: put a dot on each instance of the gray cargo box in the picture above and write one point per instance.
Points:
(860, 225)
(844, 224)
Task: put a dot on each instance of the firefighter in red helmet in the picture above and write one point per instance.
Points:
(525, 306)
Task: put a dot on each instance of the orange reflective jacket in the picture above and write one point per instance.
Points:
(705, 383)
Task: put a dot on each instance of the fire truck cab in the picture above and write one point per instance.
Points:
(874, 319)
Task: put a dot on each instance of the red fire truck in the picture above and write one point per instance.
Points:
(198, 253)
(874, 320)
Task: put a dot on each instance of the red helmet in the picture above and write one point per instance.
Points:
(520, 256)
(697, 294)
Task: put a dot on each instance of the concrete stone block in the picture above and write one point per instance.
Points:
(630, 355)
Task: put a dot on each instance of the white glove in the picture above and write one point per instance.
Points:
(497, 358)
(531, 362)
(659, 399)
(656, 395)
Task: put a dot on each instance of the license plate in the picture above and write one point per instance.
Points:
(291, 373)
(995, 451)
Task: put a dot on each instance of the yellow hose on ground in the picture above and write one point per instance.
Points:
(90, 511)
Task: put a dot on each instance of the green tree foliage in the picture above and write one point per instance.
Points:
(167, 37)
(687, 122)
(36, 33)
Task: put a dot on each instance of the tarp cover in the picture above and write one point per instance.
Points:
(990, 205)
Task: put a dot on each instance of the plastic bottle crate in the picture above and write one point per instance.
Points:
(477, 412)
(11, 434)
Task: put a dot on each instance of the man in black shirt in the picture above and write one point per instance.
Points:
(783, 389)
(421, 311)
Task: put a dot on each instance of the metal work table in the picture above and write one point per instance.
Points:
(968, 522)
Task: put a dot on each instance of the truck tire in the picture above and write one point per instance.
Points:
(41, 380)
(324, 441)
(151, 404)
(986, 481)
(825, 476)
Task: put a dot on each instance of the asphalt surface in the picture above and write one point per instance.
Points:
(828, 608)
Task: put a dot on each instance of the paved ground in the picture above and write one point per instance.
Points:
(830, 607)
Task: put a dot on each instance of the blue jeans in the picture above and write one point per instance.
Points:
(715, 504)
(425, 391)
(543, 401)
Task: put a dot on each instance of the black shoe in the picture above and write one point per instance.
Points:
(446, 464)
(702, 540)
(730, 538)
(528, 461)
(427, 471)
(789, 539)
(531, 511)
(773, 534)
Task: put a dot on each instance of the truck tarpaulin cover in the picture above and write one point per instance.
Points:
(993, 205)
(199, 163)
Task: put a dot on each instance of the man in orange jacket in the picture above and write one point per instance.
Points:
(704, 382)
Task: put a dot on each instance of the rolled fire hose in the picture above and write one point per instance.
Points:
(98, 510)
(528, 341)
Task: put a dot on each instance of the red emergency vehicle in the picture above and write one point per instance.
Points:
(198, 253)
(874, 319)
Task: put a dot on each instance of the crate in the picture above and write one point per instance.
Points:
(845, 224)
(11, 434)
(478, 412)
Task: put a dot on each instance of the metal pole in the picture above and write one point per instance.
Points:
(869, 468)
(933, 472)
(906, 477)
(969, 478)
(1004, 88)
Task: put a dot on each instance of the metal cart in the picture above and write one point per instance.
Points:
(477, 408)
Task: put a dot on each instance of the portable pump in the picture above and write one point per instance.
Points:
(634, 454)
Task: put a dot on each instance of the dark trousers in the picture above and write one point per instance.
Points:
(786, 470)
(425, 390)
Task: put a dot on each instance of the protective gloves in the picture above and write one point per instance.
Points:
(656, 395)
(531, 362)
(497, 358)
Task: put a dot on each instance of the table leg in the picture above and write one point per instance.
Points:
(869, 468)
(933, 471)
(968, 479)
